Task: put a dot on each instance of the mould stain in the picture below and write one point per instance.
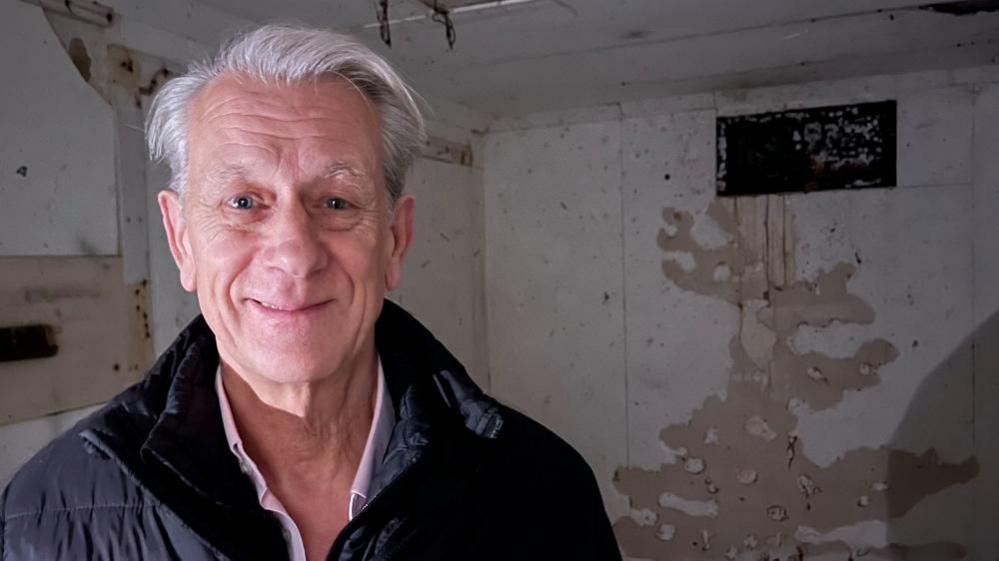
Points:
(739, 487)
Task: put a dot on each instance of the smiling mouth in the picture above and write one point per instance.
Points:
(288, 309)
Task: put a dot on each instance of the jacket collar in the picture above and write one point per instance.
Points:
(177, 402)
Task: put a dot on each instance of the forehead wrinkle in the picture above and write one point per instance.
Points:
(264, 100)
(341, 167)
(225, 174)
(267, 127)
(291, 117)
(270, 106)
(216, 108)
(260, 116)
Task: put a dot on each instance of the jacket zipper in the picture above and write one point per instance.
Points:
(337, 548)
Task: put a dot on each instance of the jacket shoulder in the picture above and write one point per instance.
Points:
(71, 473)
(537, 448)
(533, 466)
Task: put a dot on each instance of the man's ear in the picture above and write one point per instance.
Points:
(176, 232)
(400, 238)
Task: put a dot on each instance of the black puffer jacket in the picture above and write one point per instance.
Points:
(148, 477)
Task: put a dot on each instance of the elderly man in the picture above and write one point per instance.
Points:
(302, 417)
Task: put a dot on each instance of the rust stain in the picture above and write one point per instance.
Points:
(100, 322)
(740, 455)
(127, 72)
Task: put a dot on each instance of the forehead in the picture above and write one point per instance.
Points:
(245, 119)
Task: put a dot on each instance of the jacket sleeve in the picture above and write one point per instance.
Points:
(582, 531)
(602, 544)
(3, 525)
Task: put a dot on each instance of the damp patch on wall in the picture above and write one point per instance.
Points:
(817, 149)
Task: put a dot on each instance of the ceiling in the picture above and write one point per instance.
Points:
(536, 55)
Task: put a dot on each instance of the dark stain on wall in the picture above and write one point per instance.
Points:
(81, 59)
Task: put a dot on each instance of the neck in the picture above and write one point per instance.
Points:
(312, 430)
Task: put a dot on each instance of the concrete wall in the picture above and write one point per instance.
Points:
(81, 243)
(442, 283)
(788, 376)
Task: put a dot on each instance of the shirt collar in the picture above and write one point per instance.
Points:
(379, 434)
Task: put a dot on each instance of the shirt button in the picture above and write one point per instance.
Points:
(243, 468)
(286, 534)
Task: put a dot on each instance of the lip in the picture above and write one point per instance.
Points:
(285, 309)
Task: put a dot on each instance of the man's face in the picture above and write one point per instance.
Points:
(286, 230)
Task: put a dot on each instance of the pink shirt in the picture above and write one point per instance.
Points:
(378, 437)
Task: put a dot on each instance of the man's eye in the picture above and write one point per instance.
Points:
(336, 203)
(241, 202)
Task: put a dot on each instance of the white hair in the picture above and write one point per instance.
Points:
(289, 54)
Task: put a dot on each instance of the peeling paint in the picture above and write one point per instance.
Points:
(770, 498)
(760, 489)
(772, 310)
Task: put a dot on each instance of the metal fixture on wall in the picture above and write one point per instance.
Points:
(442, 15)
(384, 27)
(88, 11)
(801, 150)
(442, 12)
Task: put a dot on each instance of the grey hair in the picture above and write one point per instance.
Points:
(289, 54)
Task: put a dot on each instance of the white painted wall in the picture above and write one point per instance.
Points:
(62, 133)
(442, 282)
(586, 333)
(555, 283)
(62, 201)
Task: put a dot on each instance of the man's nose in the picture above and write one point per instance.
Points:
(295, 246)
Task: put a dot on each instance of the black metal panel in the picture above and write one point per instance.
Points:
(837, 147)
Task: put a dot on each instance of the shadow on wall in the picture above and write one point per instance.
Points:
(959, 525)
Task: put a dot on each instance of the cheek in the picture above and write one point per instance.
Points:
(360, 254)
(221, 260)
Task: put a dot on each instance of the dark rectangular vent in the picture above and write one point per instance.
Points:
(818, 149)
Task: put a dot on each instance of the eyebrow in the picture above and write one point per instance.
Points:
(221, 176)
(337, 168)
